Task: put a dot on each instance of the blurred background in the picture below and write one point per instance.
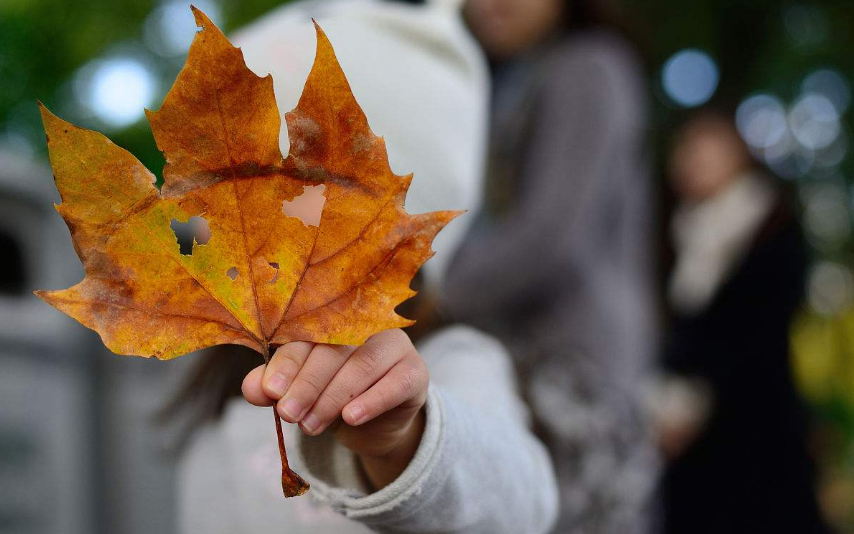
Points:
(80, 453)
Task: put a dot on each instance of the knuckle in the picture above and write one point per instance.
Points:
(332, 400)
(290, 359)
(368, 360)
(400, 334)
(288, 365)
(294, 350)
(417, 371)
(386, 399)
(337, 351)
(395, 334)
(289, 370)
(310, 383)
(400, 339)
(409, 380)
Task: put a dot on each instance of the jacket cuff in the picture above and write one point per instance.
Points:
(338, 481)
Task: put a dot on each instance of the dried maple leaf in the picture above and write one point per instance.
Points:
(264, 277)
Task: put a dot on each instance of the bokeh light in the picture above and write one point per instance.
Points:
(116, 90)
(17, 143)
(761, 121)
(830, 83)
(814, 121)
(170, 28)
(690, 77)
(831, 156)
(826, 217)
(830, 288)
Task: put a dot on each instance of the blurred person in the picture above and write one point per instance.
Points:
(559, 261)
(729, 418)
(446, 453)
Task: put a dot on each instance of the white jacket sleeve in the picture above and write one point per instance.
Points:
(478, 468)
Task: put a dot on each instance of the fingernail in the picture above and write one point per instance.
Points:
(356, 413)
(277, 384)
(310, 423)
(290, 409)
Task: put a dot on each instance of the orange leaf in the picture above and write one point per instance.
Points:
(332, 274)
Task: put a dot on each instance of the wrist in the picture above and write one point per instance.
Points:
(382, 469)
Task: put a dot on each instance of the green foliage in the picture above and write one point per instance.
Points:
(43, 43)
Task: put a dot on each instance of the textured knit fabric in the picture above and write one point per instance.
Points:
(477, 470)
(558, 265)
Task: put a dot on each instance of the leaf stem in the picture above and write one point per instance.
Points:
(292, 484)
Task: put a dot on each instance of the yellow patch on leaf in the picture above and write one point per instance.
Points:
(265, 276)
(315, 247)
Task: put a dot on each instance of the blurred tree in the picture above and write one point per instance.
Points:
(43, 43)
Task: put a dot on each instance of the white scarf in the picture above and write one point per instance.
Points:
(712, 236)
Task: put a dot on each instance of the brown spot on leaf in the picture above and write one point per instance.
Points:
(346, 263)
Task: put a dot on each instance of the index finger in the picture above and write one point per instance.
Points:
(284, 367)
(266, 383)
(252, 390)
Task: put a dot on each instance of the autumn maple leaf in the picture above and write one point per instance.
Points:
(264, 277)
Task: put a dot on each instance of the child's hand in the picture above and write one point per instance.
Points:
(378, 390)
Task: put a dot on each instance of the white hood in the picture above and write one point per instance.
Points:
(420, 79)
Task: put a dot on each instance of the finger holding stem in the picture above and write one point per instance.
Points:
(292, 484)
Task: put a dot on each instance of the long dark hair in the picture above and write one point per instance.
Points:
(608, 15)
(593, 13)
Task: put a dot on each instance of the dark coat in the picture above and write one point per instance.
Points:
(749, 470)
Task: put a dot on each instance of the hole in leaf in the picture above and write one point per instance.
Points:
(308, 206)
(232, 273)
(196, 229)
(274, 265)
